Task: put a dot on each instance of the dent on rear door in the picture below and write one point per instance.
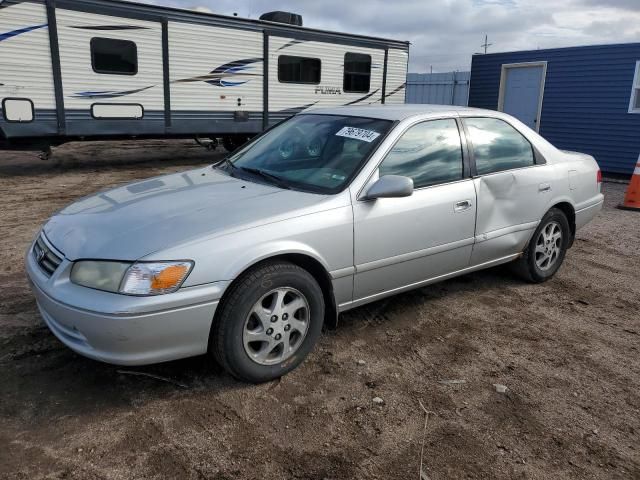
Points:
(510, 204)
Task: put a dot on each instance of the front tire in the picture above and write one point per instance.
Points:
(268, 322)
(546, 250)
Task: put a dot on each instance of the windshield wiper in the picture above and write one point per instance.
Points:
(225, 161)
(280, 182)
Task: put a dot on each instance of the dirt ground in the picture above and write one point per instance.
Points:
(567, 350)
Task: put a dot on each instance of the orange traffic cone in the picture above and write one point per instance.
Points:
(632, 197)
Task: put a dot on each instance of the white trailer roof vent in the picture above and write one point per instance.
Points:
(283, 17)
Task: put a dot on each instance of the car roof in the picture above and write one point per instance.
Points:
(396, 112)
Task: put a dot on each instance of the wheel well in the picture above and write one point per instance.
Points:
(317, 270)
(568, 210)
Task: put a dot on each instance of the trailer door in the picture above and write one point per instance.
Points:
(112, 73)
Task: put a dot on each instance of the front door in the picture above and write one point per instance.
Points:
(403, 241)
(521, 93)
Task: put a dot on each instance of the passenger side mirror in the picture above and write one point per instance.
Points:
(390, 186)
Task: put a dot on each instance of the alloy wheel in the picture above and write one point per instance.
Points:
(276, 326)
(548, 246)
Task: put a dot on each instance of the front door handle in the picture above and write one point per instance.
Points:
(544, 187)
(462, 205)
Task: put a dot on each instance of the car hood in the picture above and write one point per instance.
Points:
(135, 220)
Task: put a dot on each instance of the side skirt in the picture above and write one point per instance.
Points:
(343, 307)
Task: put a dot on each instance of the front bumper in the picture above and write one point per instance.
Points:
(121, 329)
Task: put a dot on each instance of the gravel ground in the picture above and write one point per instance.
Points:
(568, 352)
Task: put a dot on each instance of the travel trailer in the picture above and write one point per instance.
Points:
(100, 69)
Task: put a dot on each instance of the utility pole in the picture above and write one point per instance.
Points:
(486, 44)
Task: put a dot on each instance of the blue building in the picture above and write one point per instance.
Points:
(585, 99)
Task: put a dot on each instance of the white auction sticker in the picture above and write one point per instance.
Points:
(358, 134)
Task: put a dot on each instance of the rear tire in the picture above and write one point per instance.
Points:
(268, 322)
(546, 251)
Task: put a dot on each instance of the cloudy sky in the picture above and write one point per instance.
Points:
(445, 33)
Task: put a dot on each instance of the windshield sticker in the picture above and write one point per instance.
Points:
(358, 134)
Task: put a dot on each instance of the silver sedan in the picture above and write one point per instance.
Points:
(247, 259)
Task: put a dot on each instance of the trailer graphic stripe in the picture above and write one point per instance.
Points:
(218, 76)
(15, 33)
(110, 27)
(396, 90)
(290, 44)
(361, 99)
(108, 93)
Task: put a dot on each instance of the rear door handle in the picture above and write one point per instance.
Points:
(462, 205)
(544, 187)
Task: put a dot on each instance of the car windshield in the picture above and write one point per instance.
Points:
(318, 153)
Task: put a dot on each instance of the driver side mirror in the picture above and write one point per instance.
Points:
(390, 186)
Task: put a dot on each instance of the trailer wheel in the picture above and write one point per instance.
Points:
(46, 154)
(230, 143)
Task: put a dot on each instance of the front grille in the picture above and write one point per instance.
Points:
(46, 259)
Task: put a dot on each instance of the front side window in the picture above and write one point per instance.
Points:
(429, 153)
(318, 153)
(298, 69)
(357, 73)
(115, 57)
(634, 103)
(497, 146)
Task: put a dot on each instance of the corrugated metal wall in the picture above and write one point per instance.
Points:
(586, 99)
(451, 88)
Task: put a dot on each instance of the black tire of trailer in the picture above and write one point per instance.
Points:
(232, 142)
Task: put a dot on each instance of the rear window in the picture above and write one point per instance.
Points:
(298, 69)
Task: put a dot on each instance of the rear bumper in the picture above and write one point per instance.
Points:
(586, 214)
(120, 329)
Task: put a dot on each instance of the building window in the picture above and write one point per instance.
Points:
(429, 153)
(298, 69)
(357, 72)
(497, 146)
(114, 57)
(634, 103)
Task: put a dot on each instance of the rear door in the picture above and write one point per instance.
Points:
(112, 73)
(513, 187)
(403, 241)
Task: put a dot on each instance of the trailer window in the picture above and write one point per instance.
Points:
(115, 57)
(357, 72)
(298, 69)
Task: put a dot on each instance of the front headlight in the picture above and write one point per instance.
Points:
(100, 275)
(143, 278)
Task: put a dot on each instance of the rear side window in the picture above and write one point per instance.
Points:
(115, 57)
(429, 153)
(298, 69)
(497, 146)
(357, 72)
